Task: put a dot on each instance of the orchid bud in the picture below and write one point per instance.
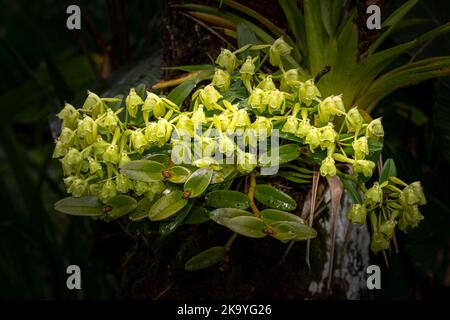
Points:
(209, 96)
(327, 167)
(291, 125)
(60, 150)
(354, 120)
(277, 50)
(364, 166)
(163, 131)
(357, 214)
(221, 80)
(361, 148)
(375, 194)
(108, 190)
(227, 60)
(91, 102)
(267, 84)
(375, 129)
(133, 101)
(66, 137)
(307, 92)
(69, 116)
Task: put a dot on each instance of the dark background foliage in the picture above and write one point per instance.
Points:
(121, 44)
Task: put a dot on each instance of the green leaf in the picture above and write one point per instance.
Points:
(391, 22)
(314, 35)
(282, 154)
(197, 183)
(441, 110)
(352, 190)
(167, 205)
(197, 215)
(389, 170)
(119, 206)
(166, 228)
(158, 157)
(227, 199)
(274, 198)
(205, 259)
(143, 170)
(296, 22)
(244, 37)
(182, 91)
(178, 174)
(193, 68)
(142, 208)
(291, 230)
(83, 206)
(223, 215)
(251, 227)
(273, 215)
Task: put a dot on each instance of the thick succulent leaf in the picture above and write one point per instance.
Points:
(223, 215)
(178, 174)
(83, 206)
(291, 230)
(142, 208)
(251, 227)
(197, 183)
(167, 205)
(143, 170)
(273, 215)
(274, 198)
(227, 199)
(166, 228)
(197, 215)
(205, 259)
(119, 206)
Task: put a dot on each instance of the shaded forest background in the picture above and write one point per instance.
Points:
(124, 43)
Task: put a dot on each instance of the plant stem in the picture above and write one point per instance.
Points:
(251, 194)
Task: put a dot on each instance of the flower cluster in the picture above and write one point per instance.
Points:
(388, 206)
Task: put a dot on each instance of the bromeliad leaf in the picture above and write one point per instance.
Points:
(274, 198)
(251, 227)
(167, 205)
(143, 170)
(197, 183)
(83, 206)
(227, 198)
(205, 259)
